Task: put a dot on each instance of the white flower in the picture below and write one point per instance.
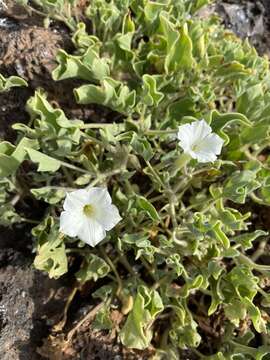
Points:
(198, 141)
(88, 214)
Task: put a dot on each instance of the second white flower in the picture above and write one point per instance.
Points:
(88, 214)
(199, 142)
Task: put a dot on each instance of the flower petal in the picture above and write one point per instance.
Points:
(108, 216)
(185, 136)
(99, 196)
(76, 200)
(197, 140)
(208, 148)
(215, 143)
(70, 223)
(91, 232)
(200, 130)
(190, 134)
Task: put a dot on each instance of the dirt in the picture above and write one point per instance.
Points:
(29, 50)
(30, 303)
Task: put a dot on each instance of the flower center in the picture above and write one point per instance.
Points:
(88, 210)
(195, 147)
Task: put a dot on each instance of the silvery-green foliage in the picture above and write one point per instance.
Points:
(179, 260)
(10, 82)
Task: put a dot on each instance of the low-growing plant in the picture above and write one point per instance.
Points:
(184, 155)
(6, 83)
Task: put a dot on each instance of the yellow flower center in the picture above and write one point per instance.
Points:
(88, 210)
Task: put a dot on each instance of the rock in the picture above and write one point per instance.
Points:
(27, 300)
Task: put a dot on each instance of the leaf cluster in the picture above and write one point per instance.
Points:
(180, 260)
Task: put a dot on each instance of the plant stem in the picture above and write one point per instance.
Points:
(173, 214)
(15, 199)
(124, 261)
(148, 267)
(260, 251)
(73, 250)
(181, 185)
(262, 268)
(243, 348)
(155, 174)
(60, 325)
(257, 200)
(30, 221)
(156, 198)
(102, 177)
(182, 161)
(94, 140)
(160, 132)
(112, 266)
(95, 126)
(161, 281)
(76, 168)
(68, 176)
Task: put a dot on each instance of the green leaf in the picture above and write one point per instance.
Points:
(124, 42)
(45, 162)
(244, 282)
(11, 157)
(257, 353)
(152, 10)
(111, 93)
(231, 218)
(181, 108)
(216, 295)
(198, 4)
(104, 292)
(191, 285)
(50, 123)
(137, 333)
(215, 269)
(235, 311)
(232, 71)
(146, 206)
(10, 82)
(174, 263)
(220, 121)
(83, 40)
(220, 235)
(240, 185)
(142, 146)
(150, 95)
(88, 66)
(50, 118)
(183, 333)
(141, 244)
(102, 319)
(179, 46)
(255, 134)
(51, 252)
(255, 315)
(8, 165)
(8, 215)
(93, 268)
(246, 239)
(106, 17)
(49, 194)
(20, 152)
(251, 100)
